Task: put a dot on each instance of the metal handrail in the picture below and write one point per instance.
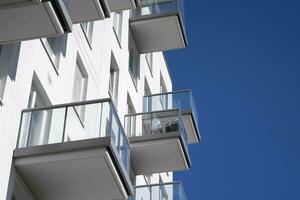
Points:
(172, 92)
(183, 133)
(152, 112)
(81, 103)
(159, 184)
(186, 92)
(71, 104)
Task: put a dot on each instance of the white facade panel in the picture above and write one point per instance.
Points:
(32, 64)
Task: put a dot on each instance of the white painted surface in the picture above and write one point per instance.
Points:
(33, 59)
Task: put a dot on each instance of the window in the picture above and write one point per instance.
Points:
(2, 78)
(80, 88)
(163, 98)
(88, 28)
(146, 102)
(163, 195)
(113, 79)
(149, 58)
(132, 120)
(54, 47)
(134, 62)
(117, 25)
(40, 121)
(147, 179)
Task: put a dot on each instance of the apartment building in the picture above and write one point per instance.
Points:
(87, 106)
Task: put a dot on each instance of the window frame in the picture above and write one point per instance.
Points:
(118, 26)
(149, 62)
(2, 87)
(83, 89)
(131, 126)
(54, 51)
(134, 63)
(38, 98)
(88, 32)
(163, 89)
(115, 82)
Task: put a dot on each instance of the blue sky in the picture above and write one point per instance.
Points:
(243, 64)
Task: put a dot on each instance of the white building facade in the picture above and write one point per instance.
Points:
(91, 113)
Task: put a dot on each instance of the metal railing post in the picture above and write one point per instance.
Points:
(150, 193)
(110, 121)
(65, 123)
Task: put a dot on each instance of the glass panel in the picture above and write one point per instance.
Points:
(154, 123)
(164, 191)
(41, 127)
(143, 193)
(182, 100)
(124, 151)
(150, 7)
(64, 124)
(105, 120)
(183, 131)
(78, 129)
(115, 131)
(149, 125)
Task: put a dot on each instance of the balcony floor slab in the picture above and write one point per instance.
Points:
(154, 33)
(159, 154)
(73, 170)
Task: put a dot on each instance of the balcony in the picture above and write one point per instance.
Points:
(119, 5)
(170, 191)
(87, 10)
(28, 19)
(74, 151)
(158, 142)
(183, 100)
(158, 25)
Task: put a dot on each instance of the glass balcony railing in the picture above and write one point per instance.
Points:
(153, 7)
(181, 99)
(163, 191)
(152, 124)
(73, 122)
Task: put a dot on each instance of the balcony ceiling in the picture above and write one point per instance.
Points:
(16, 3)
(118, 5)
(157, 33)
(157, 155)
(86, 173)
(88, 10)
(31, 22)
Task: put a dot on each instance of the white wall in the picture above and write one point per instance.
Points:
(33, 59)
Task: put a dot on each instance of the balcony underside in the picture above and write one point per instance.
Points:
(16, 3)
(161, 32)
(191, 128)
(74, 170)
(88, 10)
(118, 5)
(158, 154)
(33, 21)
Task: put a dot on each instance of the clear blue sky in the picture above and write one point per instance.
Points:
(243, 64)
